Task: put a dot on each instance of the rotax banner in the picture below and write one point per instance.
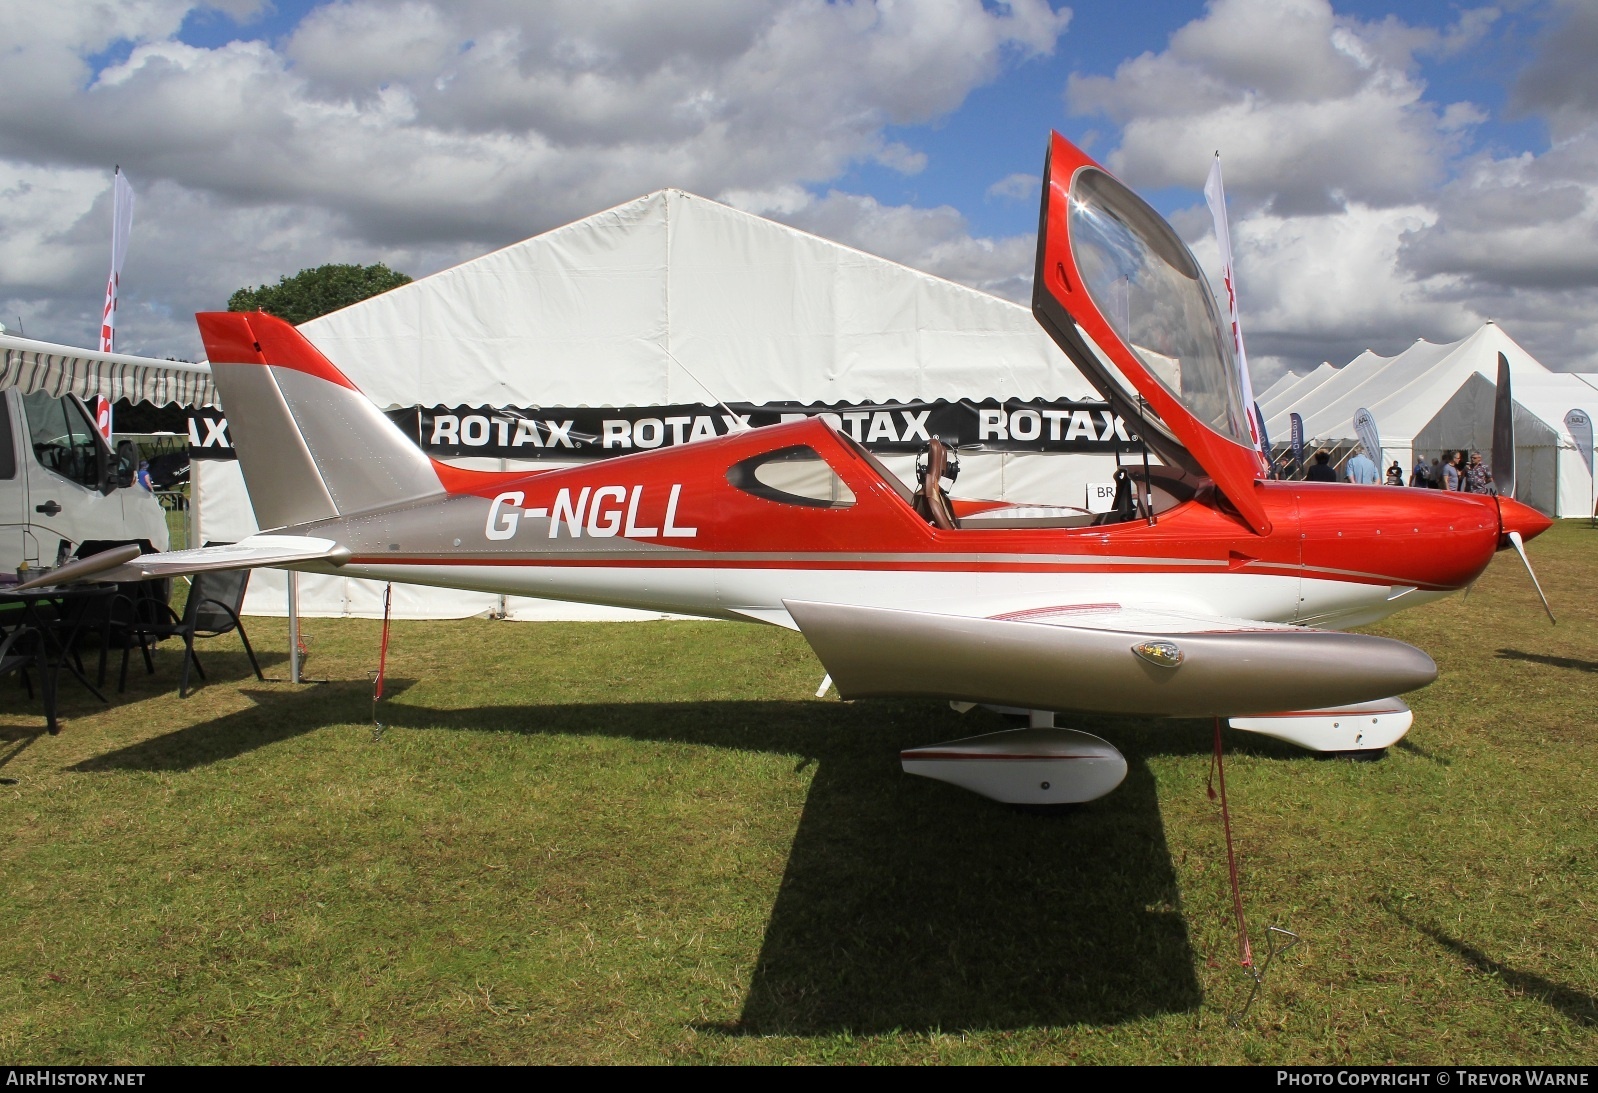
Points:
(576, 433)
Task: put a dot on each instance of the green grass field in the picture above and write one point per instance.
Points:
(648, 842)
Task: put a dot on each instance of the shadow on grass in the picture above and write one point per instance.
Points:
(1579, 1006)
(221, 665)
(906, 904)
(24, 738)
(276, 716)
(1415, 749)
(1552, 662)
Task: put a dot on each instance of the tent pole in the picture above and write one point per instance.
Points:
(294, 626)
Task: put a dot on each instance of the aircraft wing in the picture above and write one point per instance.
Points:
(126, 564)
(1102, 658)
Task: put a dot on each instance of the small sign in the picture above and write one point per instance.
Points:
(1101, 496)
(208, 438)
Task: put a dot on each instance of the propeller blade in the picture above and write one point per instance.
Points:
(1520, 548)
(1504, 437)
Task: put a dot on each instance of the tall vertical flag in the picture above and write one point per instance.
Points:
(1215, 195)
(1370, 438)
(1578, 423)
(121, 225)
(1296, 437)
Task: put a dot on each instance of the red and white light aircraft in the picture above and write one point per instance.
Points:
(1209, 591)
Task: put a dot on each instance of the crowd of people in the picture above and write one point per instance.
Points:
(1451, 472)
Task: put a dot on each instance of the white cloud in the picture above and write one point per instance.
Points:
(425, 128)
(1016, 187)
(1360, 218)
(1309, 110)
(936, 240)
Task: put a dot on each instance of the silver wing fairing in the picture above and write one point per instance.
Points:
(1103, 660)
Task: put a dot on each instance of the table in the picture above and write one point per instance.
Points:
(73, 606)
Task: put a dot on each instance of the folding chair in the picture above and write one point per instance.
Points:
(212, 610)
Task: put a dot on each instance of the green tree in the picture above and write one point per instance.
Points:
(313, 292)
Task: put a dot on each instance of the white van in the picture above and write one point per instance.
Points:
(61, 484)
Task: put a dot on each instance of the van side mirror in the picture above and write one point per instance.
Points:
(127, 465)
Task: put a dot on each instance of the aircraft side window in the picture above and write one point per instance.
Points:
(60, 437)
(795, 475)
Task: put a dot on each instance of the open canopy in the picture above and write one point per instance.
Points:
(67, 370)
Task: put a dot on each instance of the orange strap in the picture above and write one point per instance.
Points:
(382, 656)
(1245, 952)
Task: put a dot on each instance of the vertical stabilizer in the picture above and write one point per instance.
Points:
(310, 444)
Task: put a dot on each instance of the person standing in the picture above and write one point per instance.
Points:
(1435, 478)
(1395, 474)
(1451, 469)
(1478, 476)
(1362, 470)
(1421, 476)
(1321, 469)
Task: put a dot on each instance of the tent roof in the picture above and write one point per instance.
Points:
(1403, 392)
(63, 369)
(655, 301)
(1283, 382)
(1289, 396)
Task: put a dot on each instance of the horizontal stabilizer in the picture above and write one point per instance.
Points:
(83, 569)
(255, 552)
(1169, 671)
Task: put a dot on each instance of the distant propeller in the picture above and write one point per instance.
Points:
(1504, 469)
(1504, 432)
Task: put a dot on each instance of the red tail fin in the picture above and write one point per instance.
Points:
(311, 446)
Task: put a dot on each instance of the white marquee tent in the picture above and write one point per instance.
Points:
(1403, 393)
(651, 303)
(1551, 474)
(1435, 397)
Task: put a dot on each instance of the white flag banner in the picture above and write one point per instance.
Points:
(1369, 438)
(1215, 195)
(121, 225)
(1578, 423)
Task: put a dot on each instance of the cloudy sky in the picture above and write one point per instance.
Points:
(1395, 170)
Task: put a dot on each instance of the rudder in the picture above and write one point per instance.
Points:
(311, 446)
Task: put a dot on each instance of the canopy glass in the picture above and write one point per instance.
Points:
(1145, 283)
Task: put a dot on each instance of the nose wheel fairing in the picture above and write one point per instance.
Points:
(1361, 727)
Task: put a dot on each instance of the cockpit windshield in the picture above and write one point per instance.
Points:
(1149, 289)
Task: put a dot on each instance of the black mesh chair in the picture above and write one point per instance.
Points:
(113, 619)
(212, 610)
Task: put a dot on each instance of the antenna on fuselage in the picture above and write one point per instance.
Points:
(735, 423)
